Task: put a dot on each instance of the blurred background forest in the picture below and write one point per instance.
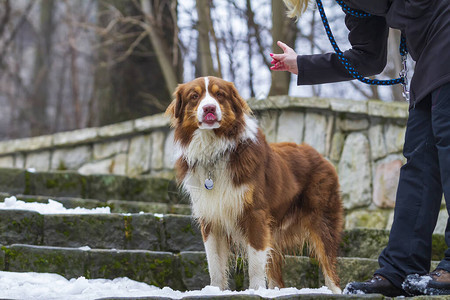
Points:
(68, 64)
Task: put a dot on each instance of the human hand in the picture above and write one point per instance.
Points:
(286, 61)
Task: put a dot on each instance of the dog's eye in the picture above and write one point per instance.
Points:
(194, 96)
(219, 95)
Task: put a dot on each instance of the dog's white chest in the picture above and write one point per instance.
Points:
(221, 205)
(208, 158)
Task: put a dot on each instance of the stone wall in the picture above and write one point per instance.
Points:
(363, 139)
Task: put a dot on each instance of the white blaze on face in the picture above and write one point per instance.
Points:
(204, 113)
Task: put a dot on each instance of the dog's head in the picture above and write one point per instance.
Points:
(207, 103)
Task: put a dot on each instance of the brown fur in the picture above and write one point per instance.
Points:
(293, 195)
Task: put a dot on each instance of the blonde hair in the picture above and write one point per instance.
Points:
(296, 7)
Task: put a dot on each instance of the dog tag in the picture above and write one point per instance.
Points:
(209, 184)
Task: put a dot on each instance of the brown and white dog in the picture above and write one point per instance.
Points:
(265, 199)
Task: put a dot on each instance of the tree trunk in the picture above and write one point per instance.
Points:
(283, 29)
(42, 64)
(396, 61)
(160, 47)
(204, 66)
(141, 83)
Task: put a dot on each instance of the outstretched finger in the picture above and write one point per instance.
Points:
(283, 46)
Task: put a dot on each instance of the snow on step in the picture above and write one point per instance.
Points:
(53, 286)
(52, 207)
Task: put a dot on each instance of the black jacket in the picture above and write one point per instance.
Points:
(425, 25)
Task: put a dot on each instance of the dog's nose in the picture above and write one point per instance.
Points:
(207, 109)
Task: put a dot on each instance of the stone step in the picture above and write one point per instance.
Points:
(116, 206)
(288, 297)
(101, 187)
(172, 233)
(183, 271)
(120, 231)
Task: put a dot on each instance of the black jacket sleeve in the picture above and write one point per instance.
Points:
(368, 37)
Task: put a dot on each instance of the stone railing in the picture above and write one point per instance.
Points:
(363, 139)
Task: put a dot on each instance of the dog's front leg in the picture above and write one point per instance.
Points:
(217, 253)
(257, 260)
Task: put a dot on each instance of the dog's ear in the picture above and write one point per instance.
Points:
(239, 104)
(175, 108)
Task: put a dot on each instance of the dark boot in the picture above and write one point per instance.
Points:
(377, 285)
(434, 283)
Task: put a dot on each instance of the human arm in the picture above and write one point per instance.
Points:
(368, 37)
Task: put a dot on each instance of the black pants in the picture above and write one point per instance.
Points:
(423, 179)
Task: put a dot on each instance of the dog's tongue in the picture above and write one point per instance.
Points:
(210, 118)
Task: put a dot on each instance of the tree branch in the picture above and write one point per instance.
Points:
(6, 16)
(158, 45)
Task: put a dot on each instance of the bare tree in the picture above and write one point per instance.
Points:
(5, 16)
(204, 64)
(283, 29)
(42, 65)
(395, 63)
(67, 65)
(154, 27)
(14, 91)
(133, 57)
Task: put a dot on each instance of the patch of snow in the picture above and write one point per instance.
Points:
(52, 207)
(35, 286)
(423, 282)
(85, 248)
(355, 292)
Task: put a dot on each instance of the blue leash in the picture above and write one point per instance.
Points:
(351, 70)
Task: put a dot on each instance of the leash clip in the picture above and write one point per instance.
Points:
(404, 75)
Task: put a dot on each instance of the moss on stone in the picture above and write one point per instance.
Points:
(180, 209)
(62, 166)
(27, 190)
(128, 227)
(238, 276)
(106, 187)
(66, 262)
(163, 268)
(147, 189)
(51, 183)
(58, 184)
(10, 253)
(194, 270)
(95, 231)
(21, 227)
(301, 272)
(355, 269)
(362, 242)
(145, 232)
(181, 234)
(363, 218)
(156, 268)
(12, 181)
(438, 247)
(188, 229)
(2, 258)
